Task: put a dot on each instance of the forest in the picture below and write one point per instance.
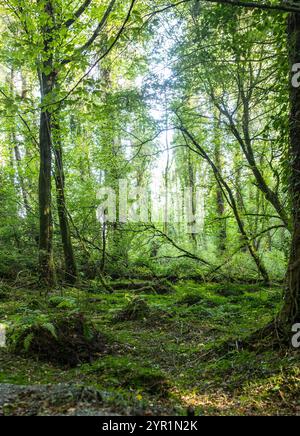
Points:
(149, 207)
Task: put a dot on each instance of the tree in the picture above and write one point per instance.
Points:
(49, 20)
(290, 313)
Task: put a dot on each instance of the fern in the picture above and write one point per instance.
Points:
(63, 302)
(27, 341)
(50, 328)
(21, 331)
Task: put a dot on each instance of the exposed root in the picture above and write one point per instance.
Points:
(273, 336)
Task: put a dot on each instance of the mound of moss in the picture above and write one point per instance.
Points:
(136, 309)
(149, 380)
(190, 299)
(229, 291)
(66, 340)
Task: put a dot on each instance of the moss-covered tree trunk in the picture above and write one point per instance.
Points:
(291, 310)
(192, 185)
(220, 200)
(46, 230)
(47, 83)
(70, 263)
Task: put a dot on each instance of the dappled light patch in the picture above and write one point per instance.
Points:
(209, 404)
(235, 392)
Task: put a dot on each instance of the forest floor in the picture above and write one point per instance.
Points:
(183, 349)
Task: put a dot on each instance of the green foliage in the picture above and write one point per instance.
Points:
(20, 333)
(63, 302)
(206, 110)
(112, 124)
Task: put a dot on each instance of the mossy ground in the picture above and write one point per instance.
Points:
(174, 357)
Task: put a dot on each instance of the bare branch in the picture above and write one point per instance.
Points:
(96, 33)
(160, 233)
(78, 13)
(103, 55)
(281, 7)
(99, 27)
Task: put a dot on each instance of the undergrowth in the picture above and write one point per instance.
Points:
(165, 352)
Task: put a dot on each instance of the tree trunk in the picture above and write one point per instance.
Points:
(291, 309)
(70, 262)
(220, 200)
(103, 259)
(17, 153)
(192, 184)
(239, 191)
(46, 267)
(20, 176)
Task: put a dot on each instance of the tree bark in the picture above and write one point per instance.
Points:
(220, 200)
(238, 177)
(70, 262)
(17, 153)
(291, 309)
(192, 184)
(20, 175)
(47, 81)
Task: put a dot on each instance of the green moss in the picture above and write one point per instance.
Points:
(188, 353)
(190, 299)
